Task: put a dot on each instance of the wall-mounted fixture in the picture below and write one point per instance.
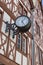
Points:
(22, 24)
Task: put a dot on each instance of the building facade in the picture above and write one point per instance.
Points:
(17, 50)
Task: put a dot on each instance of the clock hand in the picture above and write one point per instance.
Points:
(23, 20)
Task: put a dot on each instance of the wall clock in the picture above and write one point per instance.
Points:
(23, 23)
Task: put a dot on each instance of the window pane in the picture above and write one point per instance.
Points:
(19, 42)
(24, 45)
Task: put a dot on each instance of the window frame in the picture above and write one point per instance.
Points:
(20, 50)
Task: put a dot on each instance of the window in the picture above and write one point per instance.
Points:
(24, 45)
(21, 43)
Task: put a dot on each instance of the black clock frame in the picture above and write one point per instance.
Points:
(26, 27)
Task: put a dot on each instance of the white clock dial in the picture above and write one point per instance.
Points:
(22, 21)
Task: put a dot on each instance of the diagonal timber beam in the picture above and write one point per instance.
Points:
(29, 35)
(4, 7)
(25, 7)
(7, 61)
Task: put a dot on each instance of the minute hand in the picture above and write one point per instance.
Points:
(23, 20)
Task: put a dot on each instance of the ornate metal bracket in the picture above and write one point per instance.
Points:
(12, 27)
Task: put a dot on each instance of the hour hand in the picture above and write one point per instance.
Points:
(23, 20)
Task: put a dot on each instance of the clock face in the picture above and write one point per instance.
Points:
(22, 21)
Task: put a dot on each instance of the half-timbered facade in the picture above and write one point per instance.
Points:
(17, 50)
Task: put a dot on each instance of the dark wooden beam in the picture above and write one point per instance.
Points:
(25, 8)
(29, 35)
(31, 4)
(1, 17)
(7, 61)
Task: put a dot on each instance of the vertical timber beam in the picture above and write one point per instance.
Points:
(1, 17)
